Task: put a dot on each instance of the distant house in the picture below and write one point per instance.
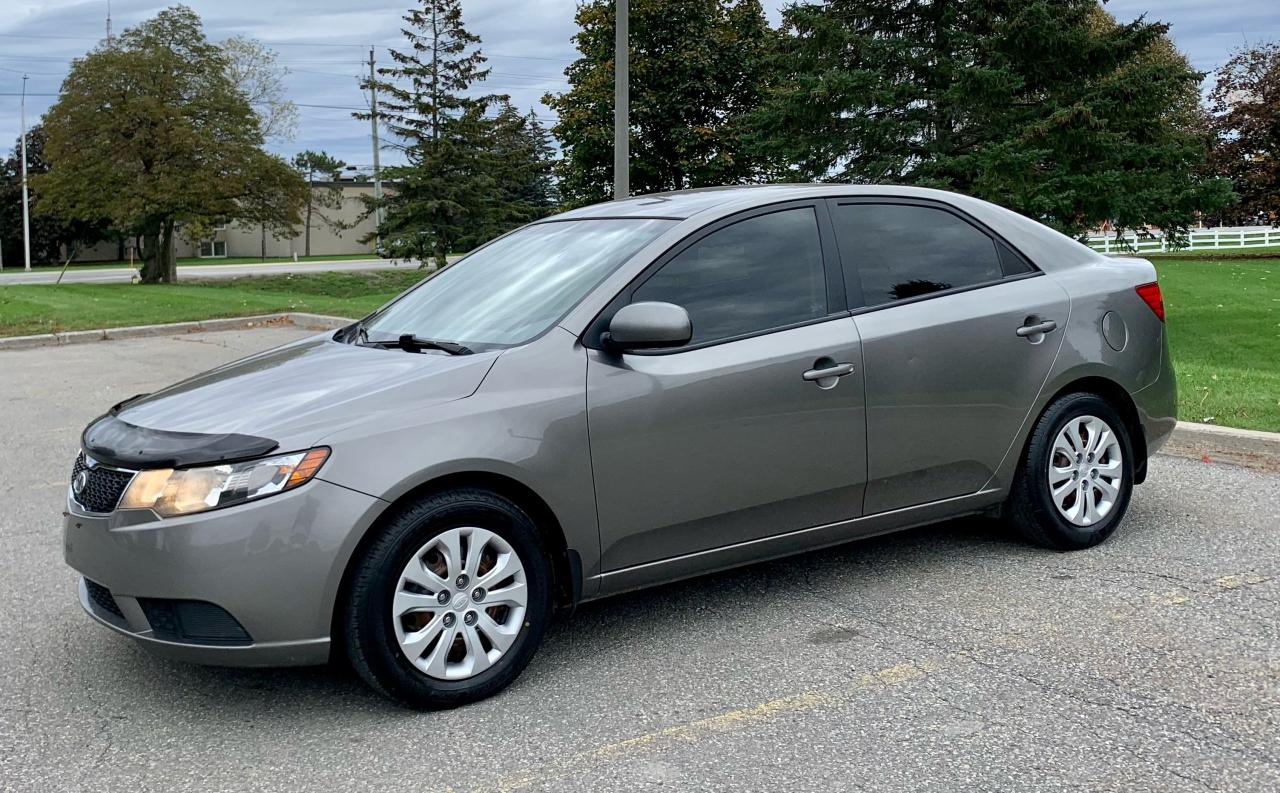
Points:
(238, 239)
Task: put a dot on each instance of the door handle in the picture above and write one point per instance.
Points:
(838, 370)
(1046, 326)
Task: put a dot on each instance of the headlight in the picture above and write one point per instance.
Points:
(171, 492)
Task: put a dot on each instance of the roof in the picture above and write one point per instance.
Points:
(1035, 240)
(682, 204)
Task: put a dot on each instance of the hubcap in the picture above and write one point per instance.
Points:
(441, 627)
(1085, 470)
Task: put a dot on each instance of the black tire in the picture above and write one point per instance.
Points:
(369, 632)
(1030, 510)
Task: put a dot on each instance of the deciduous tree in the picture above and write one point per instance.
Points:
(52, 236)
(256, 70)
(152, 133)
(1245, 103)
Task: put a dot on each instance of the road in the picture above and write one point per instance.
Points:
(947, 658)
(116, 275)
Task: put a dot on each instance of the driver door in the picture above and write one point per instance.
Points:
(724, 440)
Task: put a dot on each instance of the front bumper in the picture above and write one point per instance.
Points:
(274, 565)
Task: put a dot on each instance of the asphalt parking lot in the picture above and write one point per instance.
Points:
(946, 658)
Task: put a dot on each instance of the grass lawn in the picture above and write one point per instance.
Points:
(41, 308)
(1223, 320)
(1224, 332)
(9, 268)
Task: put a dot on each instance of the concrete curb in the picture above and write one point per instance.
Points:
(1247, 448)
(296, 318)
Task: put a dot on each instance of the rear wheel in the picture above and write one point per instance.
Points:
(449, 603)
(1076, 476)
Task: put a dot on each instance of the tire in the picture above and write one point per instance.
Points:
(417, 543)
(1035, 513)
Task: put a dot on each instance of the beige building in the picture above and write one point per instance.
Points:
(238, 239)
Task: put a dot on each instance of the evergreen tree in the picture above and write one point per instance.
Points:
(1048, 107)
(696, 67)
(322, 200)
(424, 99)
(518, 158)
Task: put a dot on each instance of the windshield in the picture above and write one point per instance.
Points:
(518, 286)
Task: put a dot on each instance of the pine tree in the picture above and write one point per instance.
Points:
(696, 67)
(1048, 107)
(322, 200)
(425, 102)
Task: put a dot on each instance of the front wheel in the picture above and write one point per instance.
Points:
(1076, 476)
(449, 603)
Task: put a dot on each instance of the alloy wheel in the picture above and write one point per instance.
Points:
(1085, 470)
(460, 603)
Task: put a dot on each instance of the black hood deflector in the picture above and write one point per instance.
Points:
(114, 442)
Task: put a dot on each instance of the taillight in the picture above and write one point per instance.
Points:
(1150, 294)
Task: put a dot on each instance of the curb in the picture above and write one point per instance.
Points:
(298, 319)
(1208, 443)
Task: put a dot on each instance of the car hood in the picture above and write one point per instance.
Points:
(298, 393)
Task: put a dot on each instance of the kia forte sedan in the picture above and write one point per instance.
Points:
(615, 397)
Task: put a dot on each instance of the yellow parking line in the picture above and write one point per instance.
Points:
(693, 731)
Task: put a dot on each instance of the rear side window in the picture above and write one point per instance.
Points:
(757, 274)
(902, 251)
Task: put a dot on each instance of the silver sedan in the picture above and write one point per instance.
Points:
(615, 397)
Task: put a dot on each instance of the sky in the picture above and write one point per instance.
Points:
(325, 45)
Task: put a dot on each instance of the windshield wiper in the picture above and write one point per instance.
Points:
(411, 343)
(407, 342)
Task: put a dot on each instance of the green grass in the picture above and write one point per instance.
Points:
(39, 308)
(1224, 333)
(1223, 319)
(10, 269)
(1250, 252)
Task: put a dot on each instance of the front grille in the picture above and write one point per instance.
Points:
(102, 486)
(101, 597)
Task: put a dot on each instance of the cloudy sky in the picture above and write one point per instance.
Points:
(324, 43)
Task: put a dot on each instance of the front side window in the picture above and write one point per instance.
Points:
(518, 286)
(760, 273)
(902, 250)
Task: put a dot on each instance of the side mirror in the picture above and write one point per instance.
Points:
(649, 326)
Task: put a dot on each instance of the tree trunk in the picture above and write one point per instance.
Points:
(158, 263)
(264, 242)
(167, 253)
(153, 268)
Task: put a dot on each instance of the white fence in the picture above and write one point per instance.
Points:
(1204, 239)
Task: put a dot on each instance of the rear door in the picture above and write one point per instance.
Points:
(959, 333)
(725, 440)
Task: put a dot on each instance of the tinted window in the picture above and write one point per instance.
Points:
(757, 274)
(515, 288)
(902, 251)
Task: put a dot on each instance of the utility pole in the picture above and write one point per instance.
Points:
(26, 201)
(373, 129)
(621, 102)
